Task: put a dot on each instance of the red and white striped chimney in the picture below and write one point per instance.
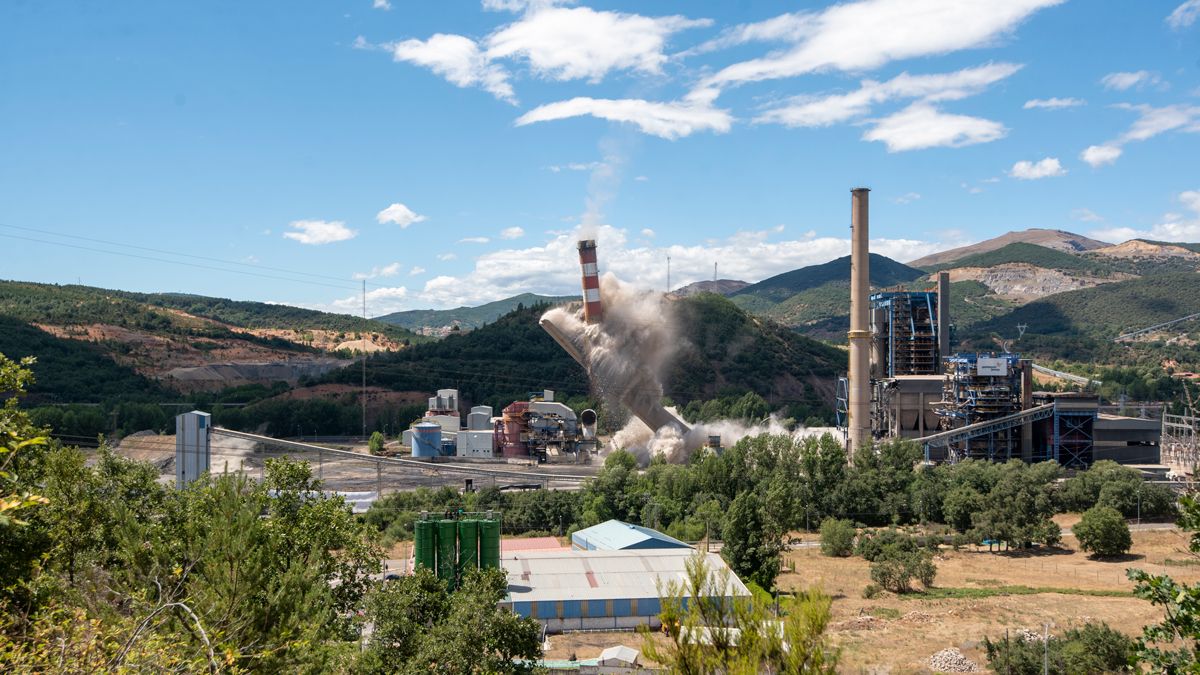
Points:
(593, 311)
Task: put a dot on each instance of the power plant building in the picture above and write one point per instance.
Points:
(602, 590)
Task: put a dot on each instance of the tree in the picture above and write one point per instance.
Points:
(1103, 531)
(1090, 648)
(894, 569)
(750, 545)
(837, 537)
(1171, 645)
(375, 444)
(17, 434)
(711, 633)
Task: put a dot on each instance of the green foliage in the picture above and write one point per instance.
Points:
(894, 568)
(471, 317)
(873, 545)
(1107, 483)
(375, 444)
(1018, 508)
(751, 546)
(1171, 644)
(17, 435)
(1091, 648)
(712, 634)
(1103, 531)
(837, 537)
(419, 627)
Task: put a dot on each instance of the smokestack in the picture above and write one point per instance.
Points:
(859, 423)
(593, 311)
(943, 315)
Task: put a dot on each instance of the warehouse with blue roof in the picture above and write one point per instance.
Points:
(615, 535)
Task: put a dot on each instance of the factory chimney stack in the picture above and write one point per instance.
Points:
(859, 405)
(593, 311)
(943, 314)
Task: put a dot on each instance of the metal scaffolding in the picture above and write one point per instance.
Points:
(1180, 441)
(982, 388)
(905, 326)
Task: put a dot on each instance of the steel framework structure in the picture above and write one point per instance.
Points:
(907, 324)
(1180, 444)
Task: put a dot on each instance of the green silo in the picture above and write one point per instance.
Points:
(489, 544)
(468, 546)
(425, 545)
(447, 549)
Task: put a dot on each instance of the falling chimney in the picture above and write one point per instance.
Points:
(593, 311)
(859, 405)
(943, 315)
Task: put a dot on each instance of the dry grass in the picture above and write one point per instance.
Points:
(874, 640)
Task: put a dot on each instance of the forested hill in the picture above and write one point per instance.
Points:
(724, 352)
(884, 272)
(469, 317)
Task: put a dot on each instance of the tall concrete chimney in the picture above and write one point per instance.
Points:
(943, 315)
(593, 311)
(859, 405)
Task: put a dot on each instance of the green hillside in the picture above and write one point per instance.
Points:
(776, 289)
(1031, 254)
(469, 317)
(724, 350)
(1079, 325)
(71, 370)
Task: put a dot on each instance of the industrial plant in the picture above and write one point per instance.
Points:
(906, 381)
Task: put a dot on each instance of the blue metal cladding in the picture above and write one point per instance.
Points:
(524, 609)
(622, 607)
(597, 608)
(572, 609)
(547, 610)
(649, 607)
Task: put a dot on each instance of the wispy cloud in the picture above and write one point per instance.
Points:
(1123, 81)
(1087, 216)
(921, 125)
(512, 232)
(474, 240)
(665, 120)
(1184, 15)
(907, 198)
(1044, 168)
(1053, 103)
(457, 59)
(376, 272)
(381, 4)
(575, 166)
(1151, 122)
(1184, 227)
(316, 232)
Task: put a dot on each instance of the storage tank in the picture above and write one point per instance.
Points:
(425, 545)
(489, 544)
(447, 548)
(468, 546)
(427, 440)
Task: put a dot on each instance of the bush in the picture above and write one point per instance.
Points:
(894, 569)
(1103, 531)
(1092, 648)
(871, 591)
(871, 545)
(837, 538)
(375, 444)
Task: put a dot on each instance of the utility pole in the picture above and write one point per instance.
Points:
(364, 361)
(1046, 650)
(714, 271)
(668, 274)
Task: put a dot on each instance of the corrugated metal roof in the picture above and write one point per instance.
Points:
(547, 576)
(531, 544)
(615, 535)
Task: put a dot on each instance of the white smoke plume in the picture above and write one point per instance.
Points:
(626, 356)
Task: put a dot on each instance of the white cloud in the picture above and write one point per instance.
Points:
(665, 120)
(416, 271)
(459, 60)
(553, 268)
(379, 301)
(381, 4)
(648, 233)
(1184, 15)
(922, 125)
(474, 240)
(319, 231)
(1087, 216)
(907, 198)
(1053, 103)
(398, 214)
(1151, 122)
(1099, 155)
(641, 179)
(360, 42)
(1045, 168)
(521, 5)
(376, 272)
(447, 256)
(582, 43)
(1123, 81)
(809, 111)
(512, 232)
(1171, 227)
(575, 166)
(856, 36)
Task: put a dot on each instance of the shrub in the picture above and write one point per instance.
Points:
(1092, 648)
(894, 569)
(375, 444)
(837, 537)
(871, 591)
(872, 544)
(1103, 531)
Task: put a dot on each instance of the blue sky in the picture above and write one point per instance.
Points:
(452, 152)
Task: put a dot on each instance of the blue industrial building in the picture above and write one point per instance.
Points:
(615, 535)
